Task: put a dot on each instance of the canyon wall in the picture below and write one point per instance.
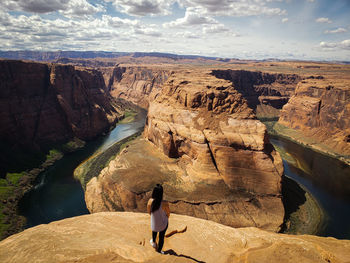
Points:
(266, 93)
(318, 115)
(47, 104)
(205, 145)
(136, 84)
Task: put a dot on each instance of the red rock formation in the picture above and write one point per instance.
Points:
(206, 121)
(46, 104)
(319, 112)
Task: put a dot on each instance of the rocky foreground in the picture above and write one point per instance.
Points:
(124, 237)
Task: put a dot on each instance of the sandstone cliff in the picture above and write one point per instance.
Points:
(46, 104)
(124, 237)
(266, 93)
(218, 163)
(318, 115)
(136, 83)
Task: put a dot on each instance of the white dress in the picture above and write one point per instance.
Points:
(159, 220)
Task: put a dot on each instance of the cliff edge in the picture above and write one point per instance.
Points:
(124, 237)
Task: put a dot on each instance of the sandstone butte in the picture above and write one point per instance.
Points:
(204, 143)
(124, 237)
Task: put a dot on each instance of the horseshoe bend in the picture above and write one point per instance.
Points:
(203, 140)
(204, 144)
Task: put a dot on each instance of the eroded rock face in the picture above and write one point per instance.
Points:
(320, 112)
(46, 104)
(124, 237)
(206, 121)
(266, 93)
(211, 154)
(137, 84)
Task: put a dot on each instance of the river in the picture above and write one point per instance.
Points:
(57, 195)
(327, 179)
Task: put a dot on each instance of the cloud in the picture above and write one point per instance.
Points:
(35, 6)
(323, 20)
(335, 31)
(29, 32)
(143, 7)
(81, 8)
(148, 31)
(234, 7)
(66, 7)
(213, 29)
(117, 22)
(284, 20)
(330, 46)
(192, 17)
(187, 34)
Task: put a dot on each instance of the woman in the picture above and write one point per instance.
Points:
(160, 212)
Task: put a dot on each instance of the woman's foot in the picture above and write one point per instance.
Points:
(153, 244)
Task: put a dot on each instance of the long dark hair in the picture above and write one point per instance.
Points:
(157, 196)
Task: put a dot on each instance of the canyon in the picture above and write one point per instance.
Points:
(43, 105)
(203, 121)
(202, 140)
(46, 110)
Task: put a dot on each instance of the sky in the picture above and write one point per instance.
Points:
(244, 29)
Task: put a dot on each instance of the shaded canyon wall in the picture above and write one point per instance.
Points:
(46, 104)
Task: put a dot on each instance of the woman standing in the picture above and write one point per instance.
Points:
(160, 212)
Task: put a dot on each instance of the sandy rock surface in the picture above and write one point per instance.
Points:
(124, 237)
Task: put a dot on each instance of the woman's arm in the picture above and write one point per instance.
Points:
(149, 205)
(165, 206)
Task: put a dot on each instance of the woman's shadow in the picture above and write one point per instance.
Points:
(173, 253)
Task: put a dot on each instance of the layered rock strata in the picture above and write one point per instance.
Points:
(46, 104)
(124, 237)
(218, 163)
(318, 115)
(206, 121)
(136, 84)
(266, 93)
